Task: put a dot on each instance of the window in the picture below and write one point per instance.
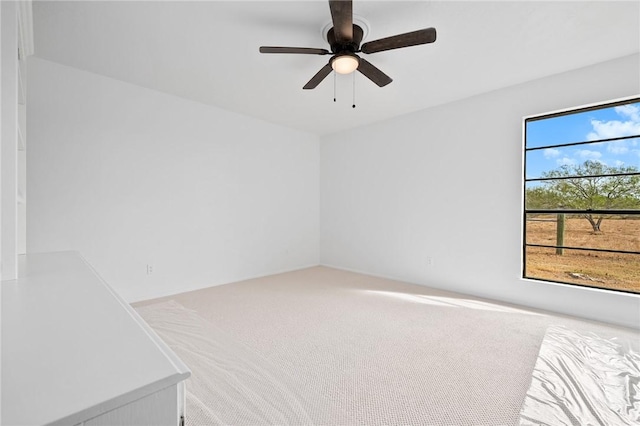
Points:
(581, 219)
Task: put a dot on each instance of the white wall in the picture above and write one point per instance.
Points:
(445, 183)
(129, 177)
(1, 216)
(9, 146)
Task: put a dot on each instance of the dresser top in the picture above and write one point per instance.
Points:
(72, 349)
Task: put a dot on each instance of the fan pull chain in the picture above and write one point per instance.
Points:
(354, 90)
(334, 86)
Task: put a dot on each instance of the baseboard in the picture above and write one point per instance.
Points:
(161, 295)
(386, 277)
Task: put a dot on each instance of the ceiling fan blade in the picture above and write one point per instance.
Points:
(320, 75)
(342, 17)
(301, 50)
(414, 38)
(373, 73)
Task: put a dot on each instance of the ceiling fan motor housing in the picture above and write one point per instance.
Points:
(340, 47)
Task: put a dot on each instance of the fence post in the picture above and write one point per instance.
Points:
(560, 233)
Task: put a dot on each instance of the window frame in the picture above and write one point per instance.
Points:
(635, 212)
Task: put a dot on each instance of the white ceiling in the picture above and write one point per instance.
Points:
(207, 51)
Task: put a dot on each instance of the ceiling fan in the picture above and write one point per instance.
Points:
(344, 39)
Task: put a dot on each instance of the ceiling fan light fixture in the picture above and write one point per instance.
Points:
(345, 64)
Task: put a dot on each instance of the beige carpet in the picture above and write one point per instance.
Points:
(323, 346)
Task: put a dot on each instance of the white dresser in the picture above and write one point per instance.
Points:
(74, 353)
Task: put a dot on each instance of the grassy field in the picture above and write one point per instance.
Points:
(607, 270)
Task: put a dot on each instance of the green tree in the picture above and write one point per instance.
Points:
(540, 197)
(582, 187)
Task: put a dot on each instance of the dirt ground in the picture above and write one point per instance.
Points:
(606, 270)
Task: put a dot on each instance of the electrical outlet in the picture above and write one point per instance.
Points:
(429, 261)
(149, 269)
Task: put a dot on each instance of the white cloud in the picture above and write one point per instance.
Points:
(613, 129)
(617, 128)
(618, 147)
(550, 153)
(589, 155)
(619, 163)
(630, 111)
(565, 161)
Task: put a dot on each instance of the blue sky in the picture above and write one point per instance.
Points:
(598, 124)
